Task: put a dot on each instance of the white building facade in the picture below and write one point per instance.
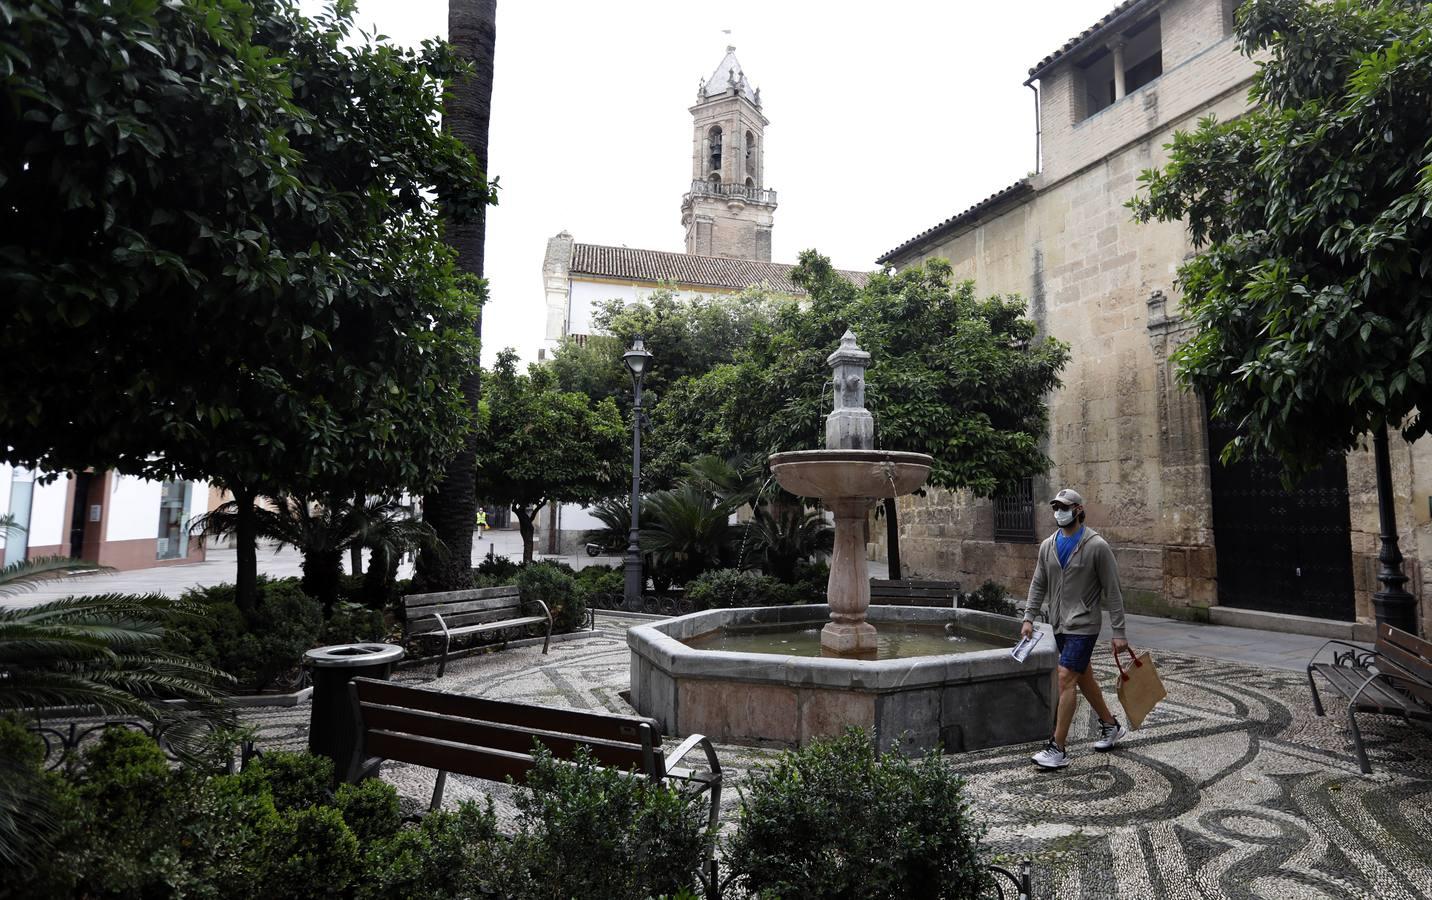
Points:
(108, 518)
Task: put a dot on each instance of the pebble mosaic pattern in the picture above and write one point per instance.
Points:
(1233, 788)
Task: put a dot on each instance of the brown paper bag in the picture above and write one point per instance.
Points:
(1140, 688)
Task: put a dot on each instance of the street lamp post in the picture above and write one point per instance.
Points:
(637, 361)
(1391, 604)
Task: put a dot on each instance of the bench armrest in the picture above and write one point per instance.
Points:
(551, 623)
(691, 743)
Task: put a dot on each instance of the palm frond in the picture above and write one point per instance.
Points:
(101, 652)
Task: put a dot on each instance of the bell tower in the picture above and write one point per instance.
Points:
(728, 211)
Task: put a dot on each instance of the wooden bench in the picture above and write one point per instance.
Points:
(450, 614)
(906, 592)
(1393, 678)
(493, 739)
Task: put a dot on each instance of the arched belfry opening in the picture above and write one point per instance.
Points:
(713, 138)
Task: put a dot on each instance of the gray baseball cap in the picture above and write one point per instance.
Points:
(1068, 497)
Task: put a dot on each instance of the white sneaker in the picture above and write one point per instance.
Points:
(1110, 733)
(1051, 757)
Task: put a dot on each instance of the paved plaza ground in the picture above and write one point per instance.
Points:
(1233, 788)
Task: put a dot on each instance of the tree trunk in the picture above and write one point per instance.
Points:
(355, 553)
(246, 578)
(524, 526)
(321, 571)
(892, 539)
(451, 508)
(382, 572)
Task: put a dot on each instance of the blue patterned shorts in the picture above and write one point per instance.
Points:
(1075, 650)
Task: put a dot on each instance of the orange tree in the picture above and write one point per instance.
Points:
(1311, 294)
(220, 249)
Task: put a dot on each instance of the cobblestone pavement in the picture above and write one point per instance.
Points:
(1233, 788)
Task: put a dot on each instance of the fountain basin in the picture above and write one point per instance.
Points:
(850, 473)
(963, 701)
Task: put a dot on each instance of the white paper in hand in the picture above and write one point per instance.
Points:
(1026, 644)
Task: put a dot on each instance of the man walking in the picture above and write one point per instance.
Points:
(1077, 578)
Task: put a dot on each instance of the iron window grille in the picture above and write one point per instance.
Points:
(1014, 514)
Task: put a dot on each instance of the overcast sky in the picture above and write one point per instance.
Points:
(885, 119)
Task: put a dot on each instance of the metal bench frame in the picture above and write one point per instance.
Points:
(1370, 673)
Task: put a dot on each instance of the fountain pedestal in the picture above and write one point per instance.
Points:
(848, 588)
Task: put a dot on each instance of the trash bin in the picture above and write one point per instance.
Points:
(332, 731)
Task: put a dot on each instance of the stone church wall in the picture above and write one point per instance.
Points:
(1122, 431)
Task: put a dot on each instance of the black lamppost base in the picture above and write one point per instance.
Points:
(1392, 605)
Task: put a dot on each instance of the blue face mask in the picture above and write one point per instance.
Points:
(1064, 517)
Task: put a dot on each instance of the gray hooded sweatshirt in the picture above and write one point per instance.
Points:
(1074, 592)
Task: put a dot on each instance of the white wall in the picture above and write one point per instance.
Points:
(585, 296)
(49, 520)
(576, 518)
(133, 505)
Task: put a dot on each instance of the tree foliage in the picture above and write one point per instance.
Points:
(957, 377)
(544, 445)
(1311, 296)
(224, 213)
(694, 335)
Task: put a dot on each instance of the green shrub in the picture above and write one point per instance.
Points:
(293, 780)
(370, 808)
(812, 580)
(724, 588)
(450, 855)
(548, 583)
(255, 647)
(36, 816)
(500, 567)
(352, 622)
(352, 588)
(992, 598)
(839, 819)
(588, 831)
(600, 583)
(310, 853)
(128, 815)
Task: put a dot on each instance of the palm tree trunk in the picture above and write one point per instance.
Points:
(451, 507)
(321, 570)
(246, 578)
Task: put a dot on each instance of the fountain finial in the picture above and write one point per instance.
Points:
(849, 425)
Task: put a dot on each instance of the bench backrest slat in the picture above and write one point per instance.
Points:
(505, 602)
(446, 756)
(1410, 653)
(499, 736)
(601, 726)
(459, 608)
(507, 590)
(423, 624)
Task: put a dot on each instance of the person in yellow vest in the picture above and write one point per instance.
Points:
(481, 520)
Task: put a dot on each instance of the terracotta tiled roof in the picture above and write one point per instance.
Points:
(1070, 45)
(662, 267)
(1015, 190)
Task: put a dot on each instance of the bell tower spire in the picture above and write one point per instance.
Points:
(728, 211)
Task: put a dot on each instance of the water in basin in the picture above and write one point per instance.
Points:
(894, 640)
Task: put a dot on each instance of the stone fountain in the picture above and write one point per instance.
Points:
(848, 475)
(922, 676)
